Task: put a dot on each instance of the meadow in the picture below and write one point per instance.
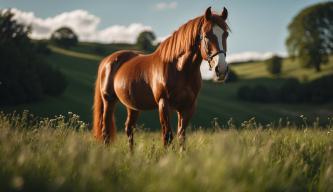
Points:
(233, 143)
(60, 154)
(215, 101)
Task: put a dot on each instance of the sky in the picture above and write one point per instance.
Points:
(259, 27)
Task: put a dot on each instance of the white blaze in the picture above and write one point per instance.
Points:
(219, 60)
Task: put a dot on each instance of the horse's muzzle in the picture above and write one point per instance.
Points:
(222, 76)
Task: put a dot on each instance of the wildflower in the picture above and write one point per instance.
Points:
(18, 182)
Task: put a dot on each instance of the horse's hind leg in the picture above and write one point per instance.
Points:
(132, 116)
(108, 124)
(109, 101)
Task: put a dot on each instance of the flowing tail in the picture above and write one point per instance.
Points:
(98, 111)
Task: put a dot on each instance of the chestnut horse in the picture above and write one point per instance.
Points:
(168, 79)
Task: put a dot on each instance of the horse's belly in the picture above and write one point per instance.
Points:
(135, 94)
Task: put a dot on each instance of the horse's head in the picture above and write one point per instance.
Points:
(213, 42)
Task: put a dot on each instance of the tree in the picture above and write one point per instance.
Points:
(11, 31)
(274, 65)
(64, 37)
(24, 75)
(311, 35)
(145, 41)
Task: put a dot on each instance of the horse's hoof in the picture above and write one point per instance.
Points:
(168, 138)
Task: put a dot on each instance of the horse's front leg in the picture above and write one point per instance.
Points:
(164, 113)
(184, 117)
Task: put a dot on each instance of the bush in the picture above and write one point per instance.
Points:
(258, 93)
(274, 65)
(261, 94)
(291, 91)
(53, 81)
(320, 90)
(64, 37)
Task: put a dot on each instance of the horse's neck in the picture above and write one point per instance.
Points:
(182, 48)
(189, 62)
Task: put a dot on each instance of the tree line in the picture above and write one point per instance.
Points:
(291, 91)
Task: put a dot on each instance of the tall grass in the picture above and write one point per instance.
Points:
(60, 155)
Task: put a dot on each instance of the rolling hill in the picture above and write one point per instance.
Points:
(216, 102)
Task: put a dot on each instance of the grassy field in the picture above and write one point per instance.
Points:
(60, 155)
(216, 101)
(290, 68)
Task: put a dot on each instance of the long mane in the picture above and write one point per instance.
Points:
(181, 41)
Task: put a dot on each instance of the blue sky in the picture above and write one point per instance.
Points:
(257, 25)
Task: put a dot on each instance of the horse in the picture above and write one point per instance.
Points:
(168, 79)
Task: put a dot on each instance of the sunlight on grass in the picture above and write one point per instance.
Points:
(290, 68)
(60, 154)
(74, 53)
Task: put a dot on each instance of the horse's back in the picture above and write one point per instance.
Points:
(117, 58)
(109, 67)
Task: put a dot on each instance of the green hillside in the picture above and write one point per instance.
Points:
(80, 63)
(290, 68)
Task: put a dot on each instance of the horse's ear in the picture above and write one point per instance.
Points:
(208, 14)
(224, 14)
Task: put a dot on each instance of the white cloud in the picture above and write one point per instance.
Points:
(83, 23)
(161, 39)
(164, 6)
(120, 33)
(254, 56)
